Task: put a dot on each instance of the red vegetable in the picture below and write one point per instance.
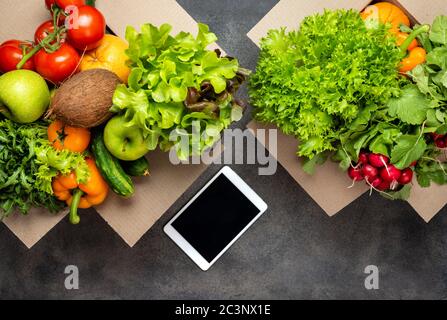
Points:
(355, 174)
(363, 158)
(406, 176)
(43, 31)
(369, 172)
(378, 160)
(436, 136)
(49, 3)
(440, 143)
(59, 65)
(390, 173)
(11, 53)
(376, 182)
(65, 3)
(90, 31)
(383, 186)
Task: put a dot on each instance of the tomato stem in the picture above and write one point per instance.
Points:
(73, 216)
(45, 43)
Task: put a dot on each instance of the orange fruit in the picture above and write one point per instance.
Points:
(110, 55)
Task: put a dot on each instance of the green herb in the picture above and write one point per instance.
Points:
(431, 81)
(28, 163)
(177, 85)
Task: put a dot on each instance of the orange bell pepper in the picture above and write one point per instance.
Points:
(416, 56)
(92, 193)
(402, 36)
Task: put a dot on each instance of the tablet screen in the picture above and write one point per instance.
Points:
(215, 217)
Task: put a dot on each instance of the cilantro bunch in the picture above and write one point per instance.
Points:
(28, 163)
(177, 85)
(325, 80)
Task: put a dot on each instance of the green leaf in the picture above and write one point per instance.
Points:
(411, 107)
(408, 148)
(309, 165)
(438, 33)
(438, 57)
(402, 194)
(343, 159)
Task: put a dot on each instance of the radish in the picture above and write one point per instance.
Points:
(355, 174)
(390, 173)
(413, 164)
(376, 182)
(440, 143)
(383, 186)
(436, 136)
(378, 160)
(363, 158)
(369, 172)
(406, 177)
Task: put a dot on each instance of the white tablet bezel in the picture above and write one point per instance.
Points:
(186, 246)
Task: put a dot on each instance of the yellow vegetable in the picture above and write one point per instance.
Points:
(110, 55)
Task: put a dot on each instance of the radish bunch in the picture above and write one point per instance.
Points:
(440, 140)
(379, 173)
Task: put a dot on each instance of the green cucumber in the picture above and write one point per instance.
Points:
(137, 168)
(111, 169)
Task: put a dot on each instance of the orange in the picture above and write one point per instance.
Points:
(110, 55)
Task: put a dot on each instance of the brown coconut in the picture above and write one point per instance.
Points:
(85, 99)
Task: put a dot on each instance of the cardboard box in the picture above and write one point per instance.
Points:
(130, 218)
(334, 195)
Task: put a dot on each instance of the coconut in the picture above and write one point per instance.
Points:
(85, 99)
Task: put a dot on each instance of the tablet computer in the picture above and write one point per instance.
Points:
(215, 218)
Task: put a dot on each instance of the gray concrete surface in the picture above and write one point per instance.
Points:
(295, 251)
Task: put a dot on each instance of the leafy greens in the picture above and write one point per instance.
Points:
(28, 163)
(177, 85)
(326, 80)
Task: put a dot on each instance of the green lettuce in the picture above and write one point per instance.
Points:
(164, 70)
(327, 79)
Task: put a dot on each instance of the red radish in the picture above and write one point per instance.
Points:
(440, 143)
(413, 164)
(355, 174)
(436, 136)
(363, 158)
(406, 177)
(369, 172)
(390, 173)
(378, 160)
(383, 186)
(376, 182)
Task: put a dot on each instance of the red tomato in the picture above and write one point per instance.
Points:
(59, 65)
(49, 3)
(11, 53)
(15, 43)
(65, 3)
(43, 31)
(90, 31)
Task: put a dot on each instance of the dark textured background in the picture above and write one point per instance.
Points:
(295, 251)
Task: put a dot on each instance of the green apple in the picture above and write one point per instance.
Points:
(125, 143)
(24, 96)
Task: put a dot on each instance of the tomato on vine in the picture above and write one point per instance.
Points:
(90, 29)
(11, 53)
(57, 66)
